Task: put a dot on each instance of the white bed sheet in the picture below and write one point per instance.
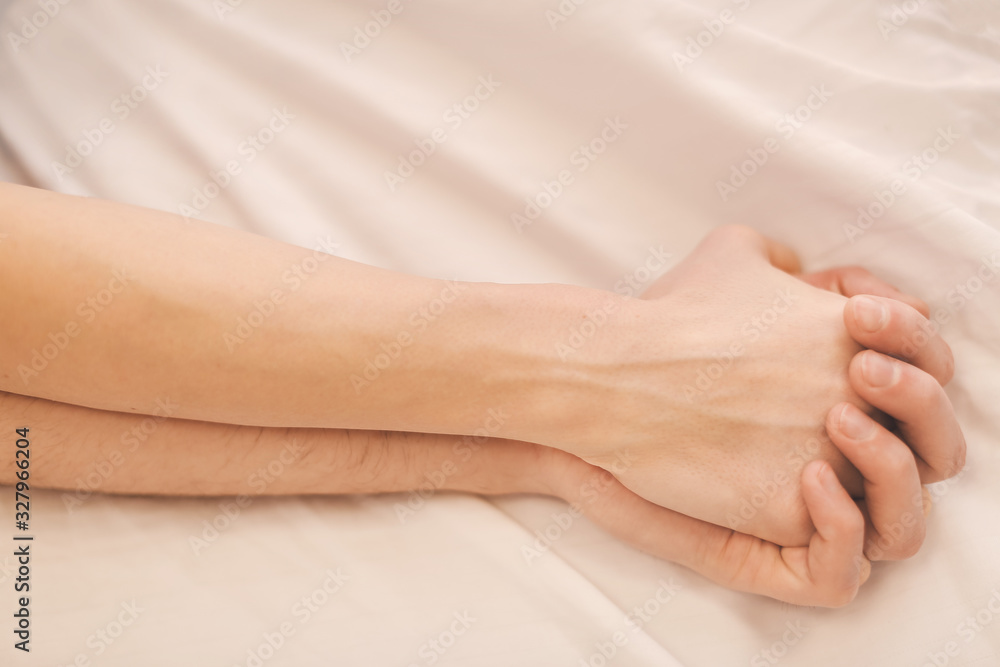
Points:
(874, 84)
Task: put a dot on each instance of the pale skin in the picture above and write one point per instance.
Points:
(691, 458)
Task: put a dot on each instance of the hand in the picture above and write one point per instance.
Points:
(895, 324)
(827, 572)
(887, 524)
(763, 405)
(723, 400)
(912, 394)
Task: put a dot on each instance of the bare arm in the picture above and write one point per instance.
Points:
(96, 451)
(112, 306)
(115, 307)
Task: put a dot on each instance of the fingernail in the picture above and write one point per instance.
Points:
(879, 371)
(869, 313)
(927, 502)
(855, 424)
(829, 480)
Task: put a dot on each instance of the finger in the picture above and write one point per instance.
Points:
(830, 570)
(893, 328)
(737, 560)
(782, 256)
(854, 280)
(893, 494)
(924, 415)
(735, 240)
(836, 563)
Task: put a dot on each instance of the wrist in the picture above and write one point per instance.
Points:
(532, 353)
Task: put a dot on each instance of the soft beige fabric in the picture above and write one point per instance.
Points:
(873, 85)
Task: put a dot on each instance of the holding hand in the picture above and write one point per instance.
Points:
(744, 369)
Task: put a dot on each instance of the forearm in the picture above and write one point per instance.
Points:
(86, 450)
(111, 306)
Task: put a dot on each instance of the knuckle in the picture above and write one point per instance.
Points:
(847, 526)
(956, 462)
(839, 596)
(898, 462)
(899, 540)
(921, 392)
(947, 365)
(856, 272)
(736, 233)
(908, 545)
